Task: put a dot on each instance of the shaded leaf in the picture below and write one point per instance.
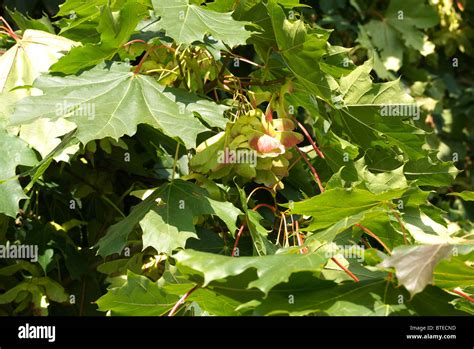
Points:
(415, 264)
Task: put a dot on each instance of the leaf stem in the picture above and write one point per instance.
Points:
(462, 294)
(310, 139)
(139, 66)
(372, 234)
(398, 218)
(347, 271)
(9, 31)
(237, 238)
(241, 229)
(315, 174)
(182, 300)
(176, 154)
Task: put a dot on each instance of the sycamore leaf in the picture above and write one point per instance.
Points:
(329, 234)
(302, 48)
(111, 102)
(168, 225)
(187, 23)
(20, 66)
(425, 230)
(333, 205)
(24, 62)
(79, 12)
(465, 195)
(372, 297)
(116, 237)
(115, 29)
(372, 53)
(322, 297)
(208, 299)
(271, 270)
(357, 174)
(37, 286)
(368, 118)
(25, 22)
(138, 296)
(454, 273)
(14, 153)
(166, 218)
(414, 265)
(400, 25)
(259, 234)
(428, 172)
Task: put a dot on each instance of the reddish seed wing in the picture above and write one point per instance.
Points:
(265, 144)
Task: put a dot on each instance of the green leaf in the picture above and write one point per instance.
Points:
(465, 195)
(414, 265)
(26, 22)
(116, 237)
(24, 62)
(168, 225)
(208, 299)
(374, 54)
(428, 230)
(15, 152)
(36, 286)
(334, 205)
(428, 172)
(453, 273)
(329, 234)
(110, 103)
(137, 296)
(187, 23)
(358, 174)
(271, 270)
(166, 218)
(313, 296)
(363, 119)
(115, 29)
(301, 49)
(400, 25)
(258, 233)
(19, 67)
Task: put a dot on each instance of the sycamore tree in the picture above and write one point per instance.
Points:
(184, 157)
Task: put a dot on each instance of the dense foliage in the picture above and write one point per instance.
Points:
(252, 157)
